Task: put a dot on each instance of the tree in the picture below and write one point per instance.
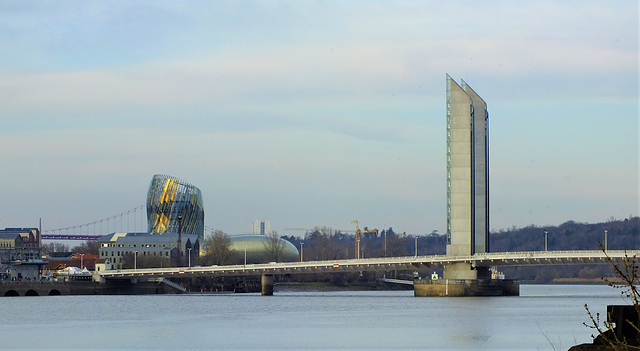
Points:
(49, 248)
(628, 281)
(324, 243)
(274, 247)
(217, 247)
(395, 244)
(90, 247)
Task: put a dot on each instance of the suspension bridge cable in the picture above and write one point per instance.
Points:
(101, 221)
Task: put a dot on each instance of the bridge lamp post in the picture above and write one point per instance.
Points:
(385, 243)
(189, 257)
(546, 233)
(301, 251)
(416, 246)
(245, 255)
(605, 240)
(180, 262)
(135, 260)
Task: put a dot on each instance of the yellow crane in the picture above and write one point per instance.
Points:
(358, 232)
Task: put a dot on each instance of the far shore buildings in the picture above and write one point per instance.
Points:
(57, 261)
(126, 250)
(20, 254)
(175, 217)
(261, 227)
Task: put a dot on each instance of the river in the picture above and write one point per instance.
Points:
(544, 317)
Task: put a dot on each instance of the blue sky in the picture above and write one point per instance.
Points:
(315, 113)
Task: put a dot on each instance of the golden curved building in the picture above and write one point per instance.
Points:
(174, 206)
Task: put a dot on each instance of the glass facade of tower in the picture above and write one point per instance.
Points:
(448, 160)
(173, 206)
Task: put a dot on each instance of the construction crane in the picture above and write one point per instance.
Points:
(358, 232)
(318, 228)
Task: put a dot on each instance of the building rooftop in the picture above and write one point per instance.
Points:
(158, 238)
(17, 230)
(10, 236)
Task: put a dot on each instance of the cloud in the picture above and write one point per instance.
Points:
(368, 51)
(315, 111)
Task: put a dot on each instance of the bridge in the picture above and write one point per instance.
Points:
(380, 264)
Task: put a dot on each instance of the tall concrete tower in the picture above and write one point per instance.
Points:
(467, 200)
(467, 178)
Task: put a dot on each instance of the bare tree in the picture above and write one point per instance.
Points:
(274, 247)
(90, 247)
(49, 248)
(395, 244)
(217, 247)
(325, 244)
(628, 281)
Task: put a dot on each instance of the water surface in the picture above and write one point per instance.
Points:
(544, 317)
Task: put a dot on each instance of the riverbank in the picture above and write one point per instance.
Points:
(586, 281)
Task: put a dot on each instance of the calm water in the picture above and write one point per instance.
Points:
(305, 320)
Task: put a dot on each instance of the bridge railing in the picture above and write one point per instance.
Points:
(386, 263)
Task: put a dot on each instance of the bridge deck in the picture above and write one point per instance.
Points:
(381, 264)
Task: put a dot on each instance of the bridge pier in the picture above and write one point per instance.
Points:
(465, 279)
(267, 284)
(465, 287)
(464, 271)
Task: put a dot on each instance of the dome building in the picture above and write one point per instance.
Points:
(259, 249)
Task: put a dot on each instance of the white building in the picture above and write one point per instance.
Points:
(157, 249)
(261, 227)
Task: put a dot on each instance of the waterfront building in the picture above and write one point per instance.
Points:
(56, 261)
(174, 206)
(467, 175)
(154, 248)
(261, 227)
(20, 253)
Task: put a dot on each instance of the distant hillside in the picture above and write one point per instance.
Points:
(621, 235)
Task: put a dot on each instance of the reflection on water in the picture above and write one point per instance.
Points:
(305, 320)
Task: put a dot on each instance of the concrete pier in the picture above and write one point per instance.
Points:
(465, 287)
(267, 284)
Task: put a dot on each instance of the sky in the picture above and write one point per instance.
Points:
(314, 113)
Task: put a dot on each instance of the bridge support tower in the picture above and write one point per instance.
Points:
(467, 194)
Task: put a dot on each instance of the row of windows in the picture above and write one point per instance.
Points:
(143, 253)
(130, 245)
